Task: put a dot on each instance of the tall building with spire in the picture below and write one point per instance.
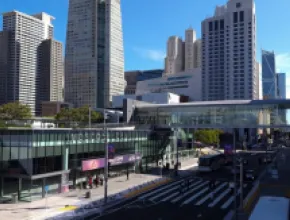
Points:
(94, 57)
(229, 52)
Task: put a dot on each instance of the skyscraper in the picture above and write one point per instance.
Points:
(174, 61)
(229, 52)
(22, 58)
(269, 78)
(94, 59)
(50, 87)
(183, 55)
(281, 85)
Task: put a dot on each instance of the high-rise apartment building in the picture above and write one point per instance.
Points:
(281, 86)
(23, 35)
(174, 61)
(183, 55)
(94, 59)
(269, 78)
(229, 52)
(50, 85)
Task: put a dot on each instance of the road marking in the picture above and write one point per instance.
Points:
(219, 198)
(164, 193)
(162, 188)
(170, 197)
(210, 194)
(230, 200)
(187, 193)
(195, 196)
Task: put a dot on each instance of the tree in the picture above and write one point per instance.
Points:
(207, 136)
(80, 115)
(64, 115)
(14, 111)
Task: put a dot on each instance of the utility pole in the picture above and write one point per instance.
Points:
(235, 175)
(90, 116)
(106, 171)
(241, 182)
(106, 166)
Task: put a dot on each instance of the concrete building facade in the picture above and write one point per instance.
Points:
(132, 77)
(23, 34)
(183, 55)
(50, 84)
(186, 83)
(229, 52)
(94, 58)
(281, 85)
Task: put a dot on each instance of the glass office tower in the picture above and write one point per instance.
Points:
(269, 75)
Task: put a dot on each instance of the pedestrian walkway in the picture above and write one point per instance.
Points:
(55, 205)
(197, 193)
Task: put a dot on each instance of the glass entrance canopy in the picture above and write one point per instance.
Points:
(228, 113)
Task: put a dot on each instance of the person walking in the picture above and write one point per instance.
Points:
(90, 182)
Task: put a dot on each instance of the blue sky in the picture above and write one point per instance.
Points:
(147, 24)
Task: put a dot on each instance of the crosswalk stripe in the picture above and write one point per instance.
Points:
(219, 198)
(164, 193)
(230, 200)
(210, 194)
(190, 191)
(160, 189)
(170, 197)
(167, 191)
(195, 196)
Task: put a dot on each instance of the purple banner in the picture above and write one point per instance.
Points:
(124, 159)
(117, 160)
(93, 164)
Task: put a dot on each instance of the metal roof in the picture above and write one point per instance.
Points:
(219, 103)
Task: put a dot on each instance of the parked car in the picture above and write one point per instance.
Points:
(250, 175)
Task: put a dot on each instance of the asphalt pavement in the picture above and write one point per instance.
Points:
(189, 197)
(183, 199)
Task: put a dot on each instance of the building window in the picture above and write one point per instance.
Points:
(222, 24)
(210, 26)
(216, 25)
(241, 16)
(235, 17)
(238, 5)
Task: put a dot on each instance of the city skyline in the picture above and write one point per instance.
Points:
(145, 40)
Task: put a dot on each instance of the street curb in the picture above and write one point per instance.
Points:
(146, 188)
(249, 201)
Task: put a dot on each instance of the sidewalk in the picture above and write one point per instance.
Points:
(55, 204)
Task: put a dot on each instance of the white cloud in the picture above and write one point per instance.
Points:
(155, 55)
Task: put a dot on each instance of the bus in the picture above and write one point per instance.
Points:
(208, 163)
(270, 208)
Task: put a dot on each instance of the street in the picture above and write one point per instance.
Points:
(189, 197)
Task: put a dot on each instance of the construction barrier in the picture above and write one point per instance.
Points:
(146, 187)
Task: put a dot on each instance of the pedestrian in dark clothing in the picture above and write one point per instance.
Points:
(97, 181)
(127, 173)
(90, 182)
